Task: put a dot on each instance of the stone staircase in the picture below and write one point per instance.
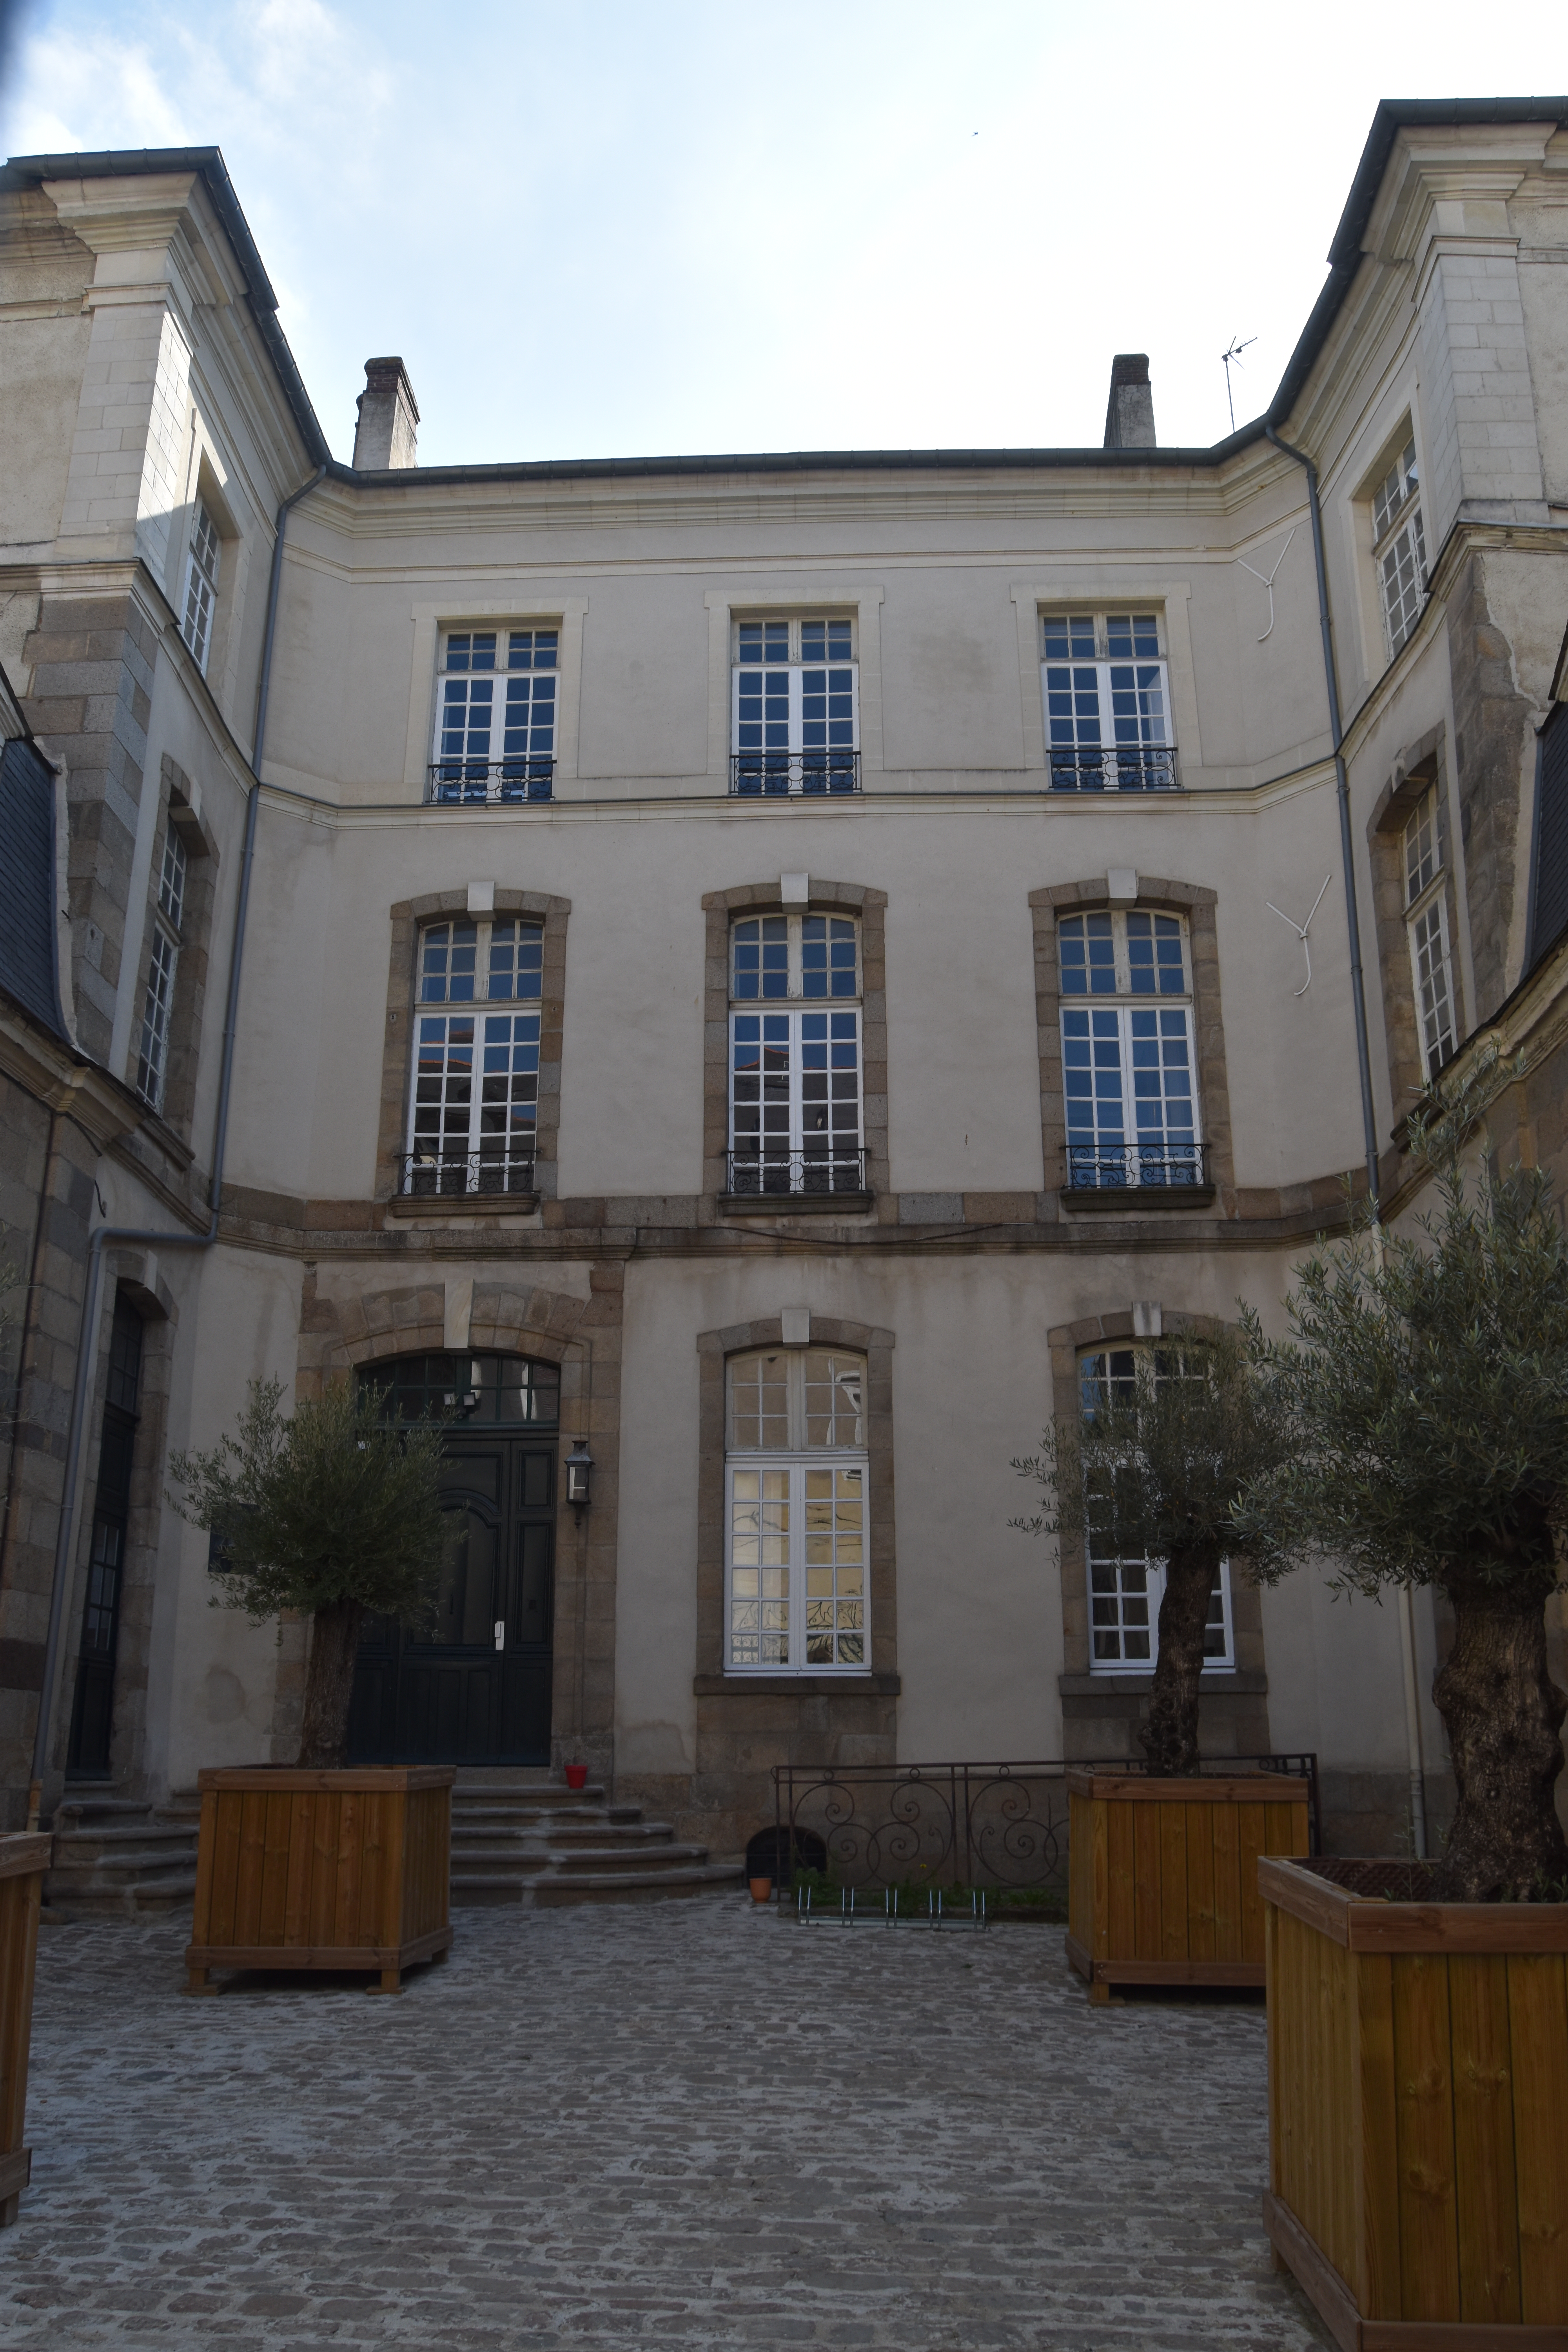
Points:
(517, 1837)
(520, 1837)
(116, 1858)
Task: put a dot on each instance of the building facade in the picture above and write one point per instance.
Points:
(772, 971)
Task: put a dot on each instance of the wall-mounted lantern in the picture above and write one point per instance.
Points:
(580, 1474)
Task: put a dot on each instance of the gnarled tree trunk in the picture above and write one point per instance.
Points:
(328, 1683)
(1170, 1737)
(1502, 1713)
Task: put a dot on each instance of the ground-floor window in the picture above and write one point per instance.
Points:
(796, 1551)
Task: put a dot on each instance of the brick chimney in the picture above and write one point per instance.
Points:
(388, 418)
(1130, 411)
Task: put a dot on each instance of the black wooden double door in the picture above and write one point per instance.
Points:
(472, 1686)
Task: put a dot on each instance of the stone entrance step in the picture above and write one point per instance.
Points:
(116, 1858)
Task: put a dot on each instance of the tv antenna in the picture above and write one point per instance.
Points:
(1226, 359)
(1300, 931)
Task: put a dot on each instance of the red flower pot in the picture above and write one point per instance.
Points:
(576, 1776)
(761, 1890)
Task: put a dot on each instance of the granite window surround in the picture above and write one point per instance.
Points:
(1415, 772)
(342, 1327)
(1101, 1711)
(719, 908)
(177, 814)
(714, 1349)
(408, 918)
(1197, 904)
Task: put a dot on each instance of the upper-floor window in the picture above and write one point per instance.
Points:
(495, 716)
(795, 1073)
(473, 1116)
(795, 715)
(202, 560)
(1399, 547)
(1127, 1059)
(1125, 1590)
(158, 1002)
(1107, 701)
(796, 1555)
(1426, 923)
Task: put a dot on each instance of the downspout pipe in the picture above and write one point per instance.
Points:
(1414, 1759)
(152, 1237)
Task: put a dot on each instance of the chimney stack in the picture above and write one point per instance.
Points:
(1130, 413)
(388, 418)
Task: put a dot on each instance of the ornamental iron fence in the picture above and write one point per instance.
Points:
(447, 1174)
(1110, 1167)
(1114, 768)
(791, 776)
(758, 1170)
(472, 783)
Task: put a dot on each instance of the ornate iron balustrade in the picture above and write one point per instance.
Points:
(927, 1824)
(762, 1172)
(1114, 768)
(791, 776)
(976, 1825)
(462, 1174)
(1130, 1167)
(453, 784)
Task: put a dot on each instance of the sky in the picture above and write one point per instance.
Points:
(626, 228)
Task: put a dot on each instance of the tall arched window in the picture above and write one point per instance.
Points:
(795, 1054)
(475, 1108)
(796, 1555)
(1126, 1051)
(1125, 1591)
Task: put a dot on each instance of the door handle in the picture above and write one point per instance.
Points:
(500, 1633)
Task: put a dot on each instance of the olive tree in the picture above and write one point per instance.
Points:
(1151, 1470)
(1427, 1381)
(327, 1511)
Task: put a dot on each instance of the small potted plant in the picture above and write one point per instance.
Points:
(1418, 2028)
(334, 1513)
(1162, 1884)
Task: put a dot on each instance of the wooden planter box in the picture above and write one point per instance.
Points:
(1162, 1874)
(322, 1870)
(1418, 2109)
(23, 1859)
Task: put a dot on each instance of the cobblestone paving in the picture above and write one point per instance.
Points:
(671, 2126)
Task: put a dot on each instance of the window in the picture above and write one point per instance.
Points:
(1427, 920)
(797, 709)
(201, 584)
(1107, 697)
(153, 1056)
(495, 717)
(1126, 1066)
(476, 1068)
(797, 1564)
(1125, 1592)
(483, 1392)
(795, 1073)
(1399, 548)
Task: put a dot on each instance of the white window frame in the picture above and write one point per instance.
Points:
(1134, 1037)
(792, 1572)
(499, 1031)
(1105, 703)
(158, 1004)
(1118, 1597)
(1426, 929)
(1399, 548)
(198, 602)
(515, 760)
(805, 1053)
(790, 733)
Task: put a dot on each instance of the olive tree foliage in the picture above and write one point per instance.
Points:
(327, 1511)
(1152, 1471)
(1427, 1381)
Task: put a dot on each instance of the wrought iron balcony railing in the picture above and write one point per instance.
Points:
(462, 1174)
(473, 782)
(792, 775)
(1114, 768)
(1128, 1167)
(761, 1172)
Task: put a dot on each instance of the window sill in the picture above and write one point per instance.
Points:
(1136, 1198)
(462, 1205)
(797, 1686)
(795, 1204)
(1128, 1682)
